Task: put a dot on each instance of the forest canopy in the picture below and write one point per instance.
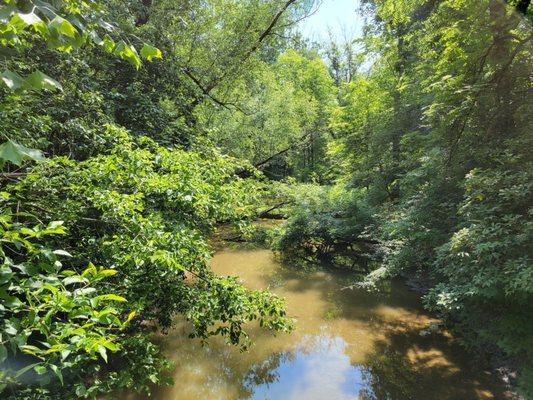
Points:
(131, 130)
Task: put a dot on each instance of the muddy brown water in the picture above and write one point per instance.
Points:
(348, 344)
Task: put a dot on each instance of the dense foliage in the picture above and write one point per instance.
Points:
(131, 130)
(105, 238)
(432, 150)
(281, 126)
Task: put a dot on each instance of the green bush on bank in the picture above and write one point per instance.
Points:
(144, 212)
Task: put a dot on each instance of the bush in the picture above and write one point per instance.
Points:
(327, 225)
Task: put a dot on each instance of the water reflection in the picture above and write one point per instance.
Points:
(325, 372)
(347, 345)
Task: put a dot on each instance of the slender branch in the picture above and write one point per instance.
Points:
(281, 152)
(267, 213)
(257, 44)
(13, 175)
(206, 90)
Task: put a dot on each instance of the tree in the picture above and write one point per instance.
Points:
(435, 139)
(286, 129)
(63, 324)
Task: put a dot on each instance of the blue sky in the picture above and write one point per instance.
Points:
(337, 15)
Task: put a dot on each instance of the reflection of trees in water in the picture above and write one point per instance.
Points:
(408, 366)
(387, 376)
(401, 365)
(243, 377)
(220, 366)
(404, 365)
(266, 372)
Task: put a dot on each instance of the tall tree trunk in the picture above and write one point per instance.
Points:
(399, 117)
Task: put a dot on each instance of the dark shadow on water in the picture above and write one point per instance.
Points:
(334, 285)
(407, 365)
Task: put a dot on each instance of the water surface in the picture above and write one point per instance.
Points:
(348, 344)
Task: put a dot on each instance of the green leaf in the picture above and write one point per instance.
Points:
(62, 26)
(6, 12)
(90, 270)
(55, 227)
(111, 297)
(111, 346)
(74, 279)
(57, 371)
(81, 390)
(107, 272)
(25, 19)
(103, 352)
(11, 301)
(95, 38)
(3, 353)
(65, 353)
(38, 81)
(40, 369)
(149, 52)
(28, 349)
(128, 53)
(5, 274)
(108, 44)
(62, 253)
(130, 317)
(13, 80)
(16, 153)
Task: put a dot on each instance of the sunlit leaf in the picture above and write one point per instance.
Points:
(103, 352)
(73, 280)
(149, 52)
(128, 53)
(62, 253)
(13, 80)
(111, 297)
(62, 26)
(57, 371)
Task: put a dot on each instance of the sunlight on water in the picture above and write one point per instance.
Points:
(348, 345)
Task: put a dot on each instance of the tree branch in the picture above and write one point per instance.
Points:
(281, 152)
(206, 90)
(267, 213)
(206, 93)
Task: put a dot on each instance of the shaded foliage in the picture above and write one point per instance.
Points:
(435, 139)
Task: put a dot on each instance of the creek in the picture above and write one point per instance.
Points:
(348, 344)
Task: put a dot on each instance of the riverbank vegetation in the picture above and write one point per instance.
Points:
(131, 130)
(432, 149)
